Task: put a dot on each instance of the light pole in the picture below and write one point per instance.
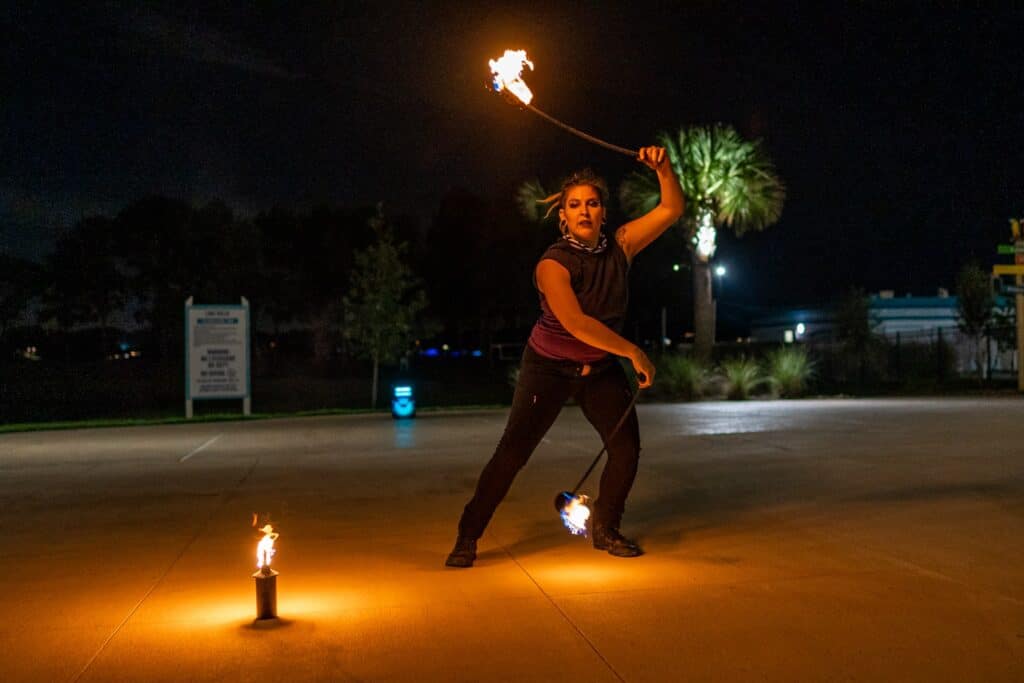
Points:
(720, 271)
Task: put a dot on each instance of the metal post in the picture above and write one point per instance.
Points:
(247, 401)
(1020, 335)
(664, 327)
(266, 593)
(188, 370)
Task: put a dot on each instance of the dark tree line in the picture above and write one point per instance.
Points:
(472, 260)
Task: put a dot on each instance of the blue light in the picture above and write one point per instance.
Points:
(456, 354)
(477, 353)
(403, 407)
(431, 352)
(402, 404)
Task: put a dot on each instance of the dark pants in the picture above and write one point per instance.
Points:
(543, 388)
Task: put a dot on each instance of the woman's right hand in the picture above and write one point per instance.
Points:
(643, 367)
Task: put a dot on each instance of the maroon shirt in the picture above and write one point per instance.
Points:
(601, 284)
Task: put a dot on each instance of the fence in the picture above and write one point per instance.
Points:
(914, 359)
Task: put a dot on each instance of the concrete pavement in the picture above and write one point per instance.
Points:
(804, 540)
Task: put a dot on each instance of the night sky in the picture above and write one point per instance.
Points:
(898, 132)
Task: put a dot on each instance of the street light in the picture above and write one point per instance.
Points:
(720, 271)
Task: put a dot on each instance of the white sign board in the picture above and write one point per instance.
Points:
(216, 351)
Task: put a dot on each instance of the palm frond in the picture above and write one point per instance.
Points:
(529, 199)
(639, 193)
(718, 170)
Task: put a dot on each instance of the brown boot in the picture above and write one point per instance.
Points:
(609, 538)
(463, 554)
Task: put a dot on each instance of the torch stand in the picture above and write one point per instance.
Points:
(266, 593)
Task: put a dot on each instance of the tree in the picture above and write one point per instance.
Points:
(383, 301)
(86, 284)
(494, 290)
(20, 280)
(166, 259)
(171, 250)
(974, 303)
(855, 329)
(728, 182)
(304, 256)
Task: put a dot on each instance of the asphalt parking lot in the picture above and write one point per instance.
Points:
(786, 541)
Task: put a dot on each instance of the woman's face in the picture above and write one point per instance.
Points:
(583, 212)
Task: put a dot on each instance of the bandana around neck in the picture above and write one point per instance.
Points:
(602, 243)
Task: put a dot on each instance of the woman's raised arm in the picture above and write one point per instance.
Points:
(638, 233)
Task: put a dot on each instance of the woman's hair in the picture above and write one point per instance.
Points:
(582, 177)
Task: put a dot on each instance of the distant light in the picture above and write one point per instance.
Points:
(720, 271)
(124, 346)
(444, 347)
(432, 352)
(787, 336)
(477, 353)
(456, 354)
(800, 329)
(403, 404)
(675, 267)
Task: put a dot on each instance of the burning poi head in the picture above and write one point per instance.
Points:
(574, 512)
(265, 548)
(508, 75)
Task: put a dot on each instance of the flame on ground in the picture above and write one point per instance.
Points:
(265, 548)
(508, 72)
(575, 515)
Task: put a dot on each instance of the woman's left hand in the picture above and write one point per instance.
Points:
(655, 158)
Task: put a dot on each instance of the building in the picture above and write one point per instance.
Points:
(907, 319)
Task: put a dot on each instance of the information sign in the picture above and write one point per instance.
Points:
(216, 352)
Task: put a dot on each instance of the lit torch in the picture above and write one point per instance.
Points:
(266, 578)
(574, 511)
(508, 79)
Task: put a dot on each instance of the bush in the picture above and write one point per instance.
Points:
(681, 377)
(789, 370)
(512, 376)
(742, 377)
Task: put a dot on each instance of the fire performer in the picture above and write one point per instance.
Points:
(582, 283)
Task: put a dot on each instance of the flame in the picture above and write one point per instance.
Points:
(508, 73)
(575, 515)
(265, 548)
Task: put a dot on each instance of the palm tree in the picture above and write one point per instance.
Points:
(728, 181)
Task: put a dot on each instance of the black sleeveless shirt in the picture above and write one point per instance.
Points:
(601, 284)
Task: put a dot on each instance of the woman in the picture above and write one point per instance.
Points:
(582, 282)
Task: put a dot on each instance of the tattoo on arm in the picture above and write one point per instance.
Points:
(620, 237)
